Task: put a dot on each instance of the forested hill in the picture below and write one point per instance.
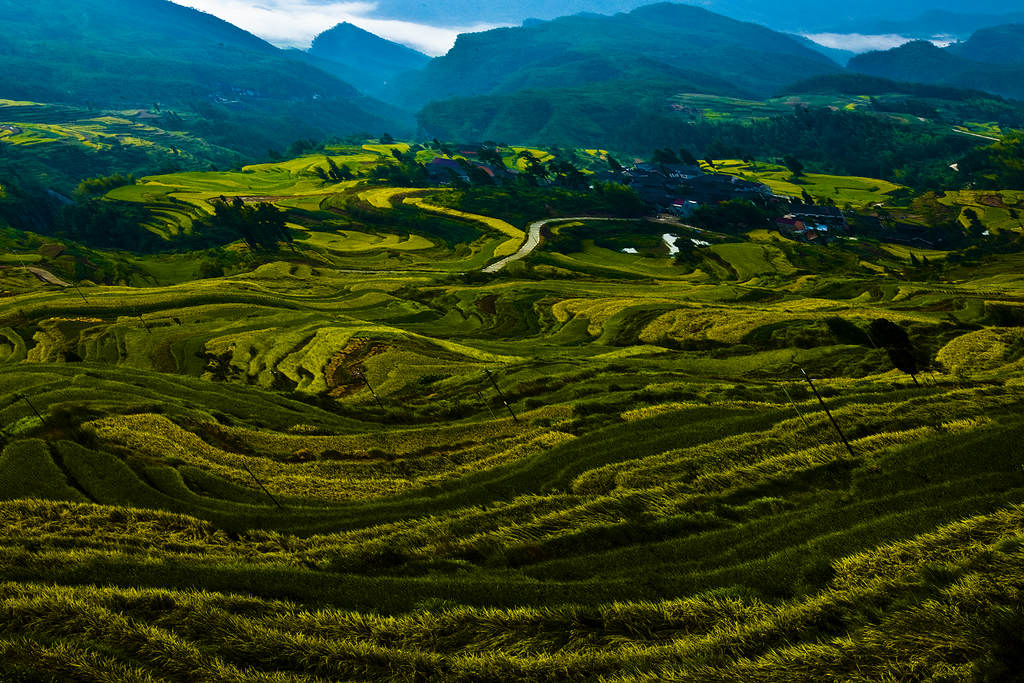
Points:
(133, 53)
(994, 45)
(658, 42)
(361, 55)
(366, 60)
(992, 60)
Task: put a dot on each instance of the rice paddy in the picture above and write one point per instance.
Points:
(842, 190)
(363, 459)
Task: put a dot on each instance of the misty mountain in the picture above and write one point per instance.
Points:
(363, 59)
(923, 62)
(840, 57)
(931, 23)
(995, 45)
(133, 53)
(788, 15)
(658, 43)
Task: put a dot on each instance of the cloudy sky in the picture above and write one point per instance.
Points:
(294, 23)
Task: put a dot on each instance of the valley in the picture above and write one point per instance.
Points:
(646, 347)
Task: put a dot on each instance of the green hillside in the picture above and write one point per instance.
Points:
(356, 456)
(120, 55)
(923, 62)
(645, 44)
(835, 133)
(59, 146)
(995, 45)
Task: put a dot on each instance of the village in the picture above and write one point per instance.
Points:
(677, 190)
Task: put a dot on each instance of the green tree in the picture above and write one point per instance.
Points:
(794, 165)
(665, 156)
(895, 340)
(93, 187)
(490, 155)
(261, 226)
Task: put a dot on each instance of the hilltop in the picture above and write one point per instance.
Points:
(994, 45)
(788, 15)
(359, 57)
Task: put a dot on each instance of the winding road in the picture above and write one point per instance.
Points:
(975, 135)
(533, 240)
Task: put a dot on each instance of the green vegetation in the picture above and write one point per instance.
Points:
(343, 452)
(302, 420)
(849, 141)
(661, 43)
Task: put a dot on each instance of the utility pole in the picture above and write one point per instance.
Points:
(828, 412)
(503, 399)
(25, 399)
(359, 373)
(793, 403)
(260, 483)
(79, 292)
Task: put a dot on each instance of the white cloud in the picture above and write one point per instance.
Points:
(294, 23)
(857, 42)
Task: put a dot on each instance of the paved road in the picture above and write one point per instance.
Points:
(975, 135)
(533, 240)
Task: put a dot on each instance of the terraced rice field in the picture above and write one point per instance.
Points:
(66, 139)
(364, 461)
(997, 211)
(843, 190)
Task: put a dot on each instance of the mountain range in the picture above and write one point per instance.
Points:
(657, 43)
(582, 77)
(785, 15)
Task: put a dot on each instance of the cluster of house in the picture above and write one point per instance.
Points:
(812, 223)
(680, 188)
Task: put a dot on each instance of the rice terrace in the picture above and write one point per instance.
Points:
(743, 404)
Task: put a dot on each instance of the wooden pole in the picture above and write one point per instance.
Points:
(25, 399)
(260, 483)
(79, 292)
(797, 410)
(482, 400)
(828, 412)
(503, 399)
(373, 393)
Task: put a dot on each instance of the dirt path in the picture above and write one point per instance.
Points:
(533, 240)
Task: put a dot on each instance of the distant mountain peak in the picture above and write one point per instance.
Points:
(363, 58)
(348, 43)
